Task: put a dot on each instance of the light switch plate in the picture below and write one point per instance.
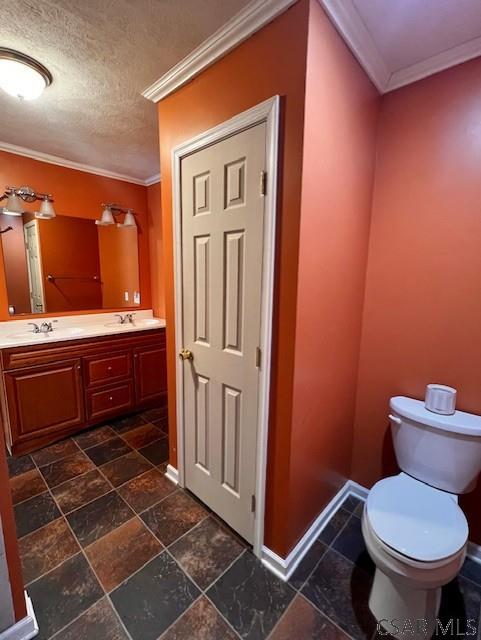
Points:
(136, 297)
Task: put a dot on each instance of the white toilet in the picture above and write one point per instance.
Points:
(414, 530)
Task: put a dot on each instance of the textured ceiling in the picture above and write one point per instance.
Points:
(102, 54)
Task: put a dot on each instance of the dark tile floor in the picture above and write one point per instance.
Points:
(112, 550)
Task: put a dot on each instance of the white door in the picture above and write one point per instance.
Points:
(222, 206)
(34, 265)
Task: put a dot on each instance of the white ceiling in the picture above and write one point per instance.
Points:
(401, 41)
(102, 54)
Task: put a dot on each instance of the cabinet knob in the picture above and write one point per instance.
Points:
(110, 398)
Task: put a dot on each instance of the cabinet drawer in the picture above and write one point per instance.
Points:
(104, 402)
(107, 368)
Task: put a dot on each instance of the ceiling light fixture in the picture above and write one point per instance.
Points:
(21, 76)
(14, 205)
(111, 210)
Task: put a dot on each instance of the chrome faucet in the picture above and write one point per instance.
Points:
(127, 318)
(46, 327)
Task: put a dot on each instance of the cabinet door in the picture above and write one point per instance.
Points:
(44, 400)
(150, 375)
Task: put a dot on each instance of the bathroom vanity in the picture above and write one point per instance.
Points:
(65, 382)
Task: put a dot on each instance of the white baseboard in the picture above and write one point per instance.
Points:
(25, 628)
(172, 474)
(474, 552)
(284, 567)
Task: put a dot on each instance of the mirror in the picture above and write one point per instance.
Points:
(68, 264)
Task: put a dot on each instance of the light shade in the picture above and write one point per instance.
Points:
(129, 220)
(46, 212)
(14, 206)
(106, 219)
(21, 76)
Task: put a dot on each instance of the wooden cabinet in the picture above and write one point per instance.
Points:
(105, 369)
(44, 400)
(106, 402)
(150, 374)
(52, 390)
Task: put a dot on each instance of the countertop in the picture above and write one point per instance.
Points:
(18, 333)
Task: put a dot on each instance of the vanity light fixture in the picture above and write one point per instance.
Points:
(21, 76)
(14, 205)
(109, 213)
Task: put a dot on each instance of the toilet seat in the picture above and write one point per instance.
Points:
(416, 521)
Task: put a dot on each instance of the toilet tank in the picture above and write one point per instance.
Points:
(442, 451)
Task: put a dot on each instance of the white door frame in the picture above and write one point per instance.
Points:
(27, 225)
(267, 112)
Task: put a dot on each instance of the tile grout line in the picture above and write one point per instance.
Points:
(331, 545)
(82, 551)
(164, 548)
(94, 468)
(348, 635)
(204, 591)
(189, 577)
(72, 439)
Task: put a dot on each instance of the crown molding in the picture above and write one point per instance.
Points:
(348, 22)
(70, 164)
(152, 180)
(439, 62)
(252, 18)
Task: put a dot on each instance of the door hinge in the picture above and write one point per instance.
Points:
(258, 357)
(253, 504)
(263, 183)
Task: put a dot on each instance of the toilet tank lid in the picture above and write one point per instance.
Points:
(459, 422)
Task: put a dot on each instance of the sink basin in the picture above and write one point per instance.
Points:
(56, 333)
(141, 323)
(27, 334)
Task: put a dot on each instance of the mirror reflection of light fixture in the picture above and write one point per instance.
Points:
(129, 220)
(14, 205)
(107, 218)
(112, 210)
(46, 212)
(21, 76)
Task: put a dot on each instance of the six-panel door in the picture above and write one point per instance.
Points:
(222, 248)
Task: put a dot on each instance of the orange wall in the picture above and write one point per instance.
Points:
(342, 109)
(13, 247)
(422, 319)
(271, 62)
(156, 249)
(70, 247)
(78, 194)
(119, 265)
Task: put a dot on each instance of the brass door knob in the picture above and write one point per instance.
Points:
(186, 354)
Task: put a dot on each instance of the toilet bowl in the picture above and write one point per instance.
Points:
(417, 538)
(414, 530)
